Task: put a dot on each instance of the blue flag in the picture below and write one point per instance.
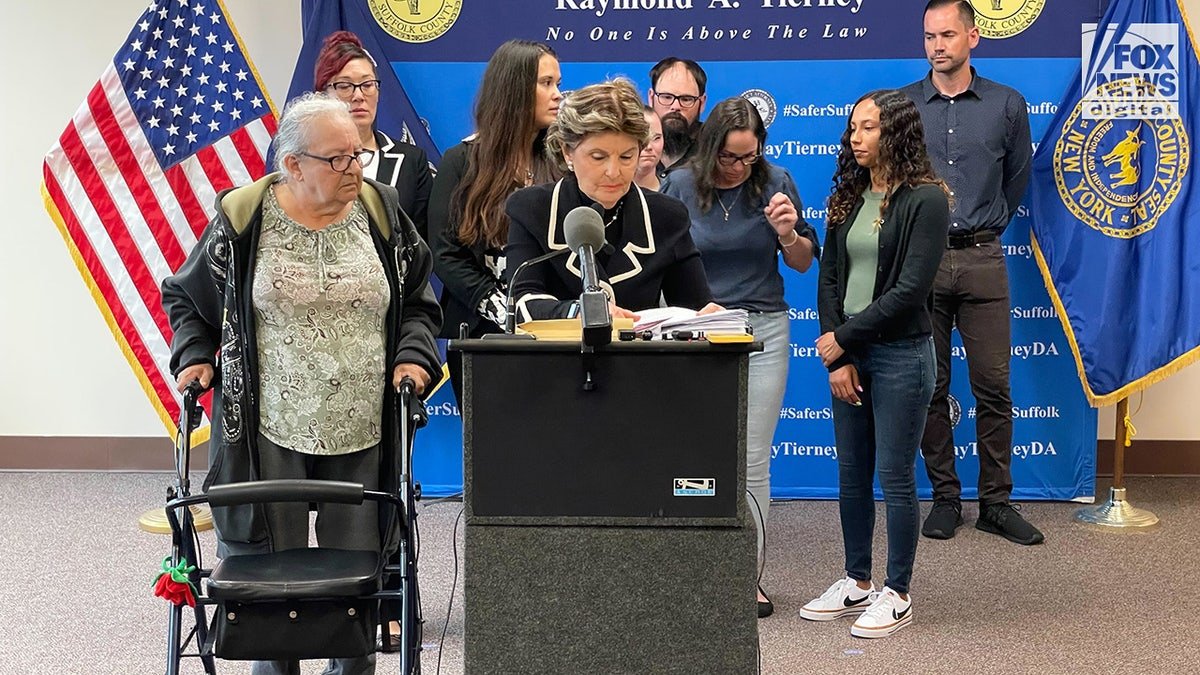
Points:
(1115, 201)
(396, 116)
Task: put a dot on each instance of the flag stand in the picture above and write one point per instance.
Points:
(1116, 513)
(154, 521)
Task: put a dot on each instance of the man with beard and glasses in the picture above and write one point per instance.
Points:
(677, 95)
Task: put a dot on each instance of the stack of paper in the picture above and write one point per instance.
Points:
(661, 320)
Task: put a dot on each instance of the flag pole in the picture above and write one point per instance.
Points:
(1116, 513)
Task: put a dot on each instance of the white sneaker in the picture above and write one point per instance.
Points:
(887, 614)
(843, 598)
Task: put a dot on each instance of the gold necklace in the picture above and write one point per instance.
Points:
(731, 204)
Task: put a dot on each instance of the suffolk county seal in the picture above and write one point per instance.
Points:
(1120, 173)
(415, 20)
(999, 19)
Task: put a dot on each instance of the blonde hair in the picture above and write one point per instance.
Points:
(612, 106)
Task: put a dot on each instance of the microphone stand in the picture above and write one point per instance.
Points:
(510, 307)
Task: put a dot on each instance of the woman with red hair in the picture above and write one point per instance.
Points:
(345, 71)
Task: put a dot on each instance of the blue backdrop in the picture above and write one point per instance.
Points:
(809, 59)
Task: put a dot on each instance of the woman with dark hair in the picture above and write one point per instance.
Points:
(468, 228)
(744, 214)
(345, 71)
(888, 219)
(599, 135)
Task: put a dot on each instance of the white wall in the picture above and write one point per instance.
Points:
(61, 373)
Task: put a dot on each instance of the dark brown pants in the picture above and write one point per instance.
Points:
(971, 292)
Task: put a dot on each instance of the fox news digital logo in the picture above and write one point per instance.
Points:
(1132, 74)
(1120, 160)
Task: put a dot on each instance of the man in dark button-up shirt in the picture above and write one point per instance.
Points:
(977, 132)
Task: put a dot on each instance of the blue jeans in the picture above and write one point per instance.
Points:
(884, 433)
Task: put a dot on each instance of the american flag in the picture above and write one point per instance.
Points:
(178, 115)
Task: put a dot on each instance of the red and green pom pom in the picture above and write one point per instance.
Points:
(174, 584)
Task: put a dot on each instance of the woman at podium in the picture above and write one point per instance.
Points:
(599, 135)
(745, 217)
(887, 225)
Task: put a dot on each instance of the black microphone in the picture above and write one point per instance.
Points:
(583, 229)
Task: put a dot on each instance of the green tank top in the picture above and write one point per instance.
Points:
(862, 255)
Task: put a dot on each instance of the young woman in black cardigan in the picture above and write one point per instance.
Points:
(887, 225)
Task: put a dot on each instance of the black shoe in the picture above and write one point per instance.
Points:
(765, 607)
(1005, 520)
(943, 519)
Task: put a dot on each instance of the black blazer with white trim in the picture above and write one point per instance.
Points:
(405, 167)
(653, 252)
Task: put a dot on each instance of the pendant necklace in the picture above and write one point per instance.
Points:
(731, 204)
(616, 214)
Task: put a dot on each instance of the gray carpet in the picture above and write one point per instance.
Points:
(75, 576)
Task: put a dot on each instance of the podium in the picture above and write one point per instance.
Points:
(607, 529)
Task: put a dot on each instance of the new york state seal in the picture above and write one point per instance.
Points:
(1119, 174)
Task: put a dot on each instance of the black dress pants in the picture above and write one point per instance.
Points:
(971, 292)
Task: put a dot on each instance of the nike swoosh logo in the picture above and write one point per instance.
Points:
(900, 615)
(851, 603)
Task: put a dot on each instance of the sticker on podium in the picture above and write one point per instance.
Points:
(695, 487)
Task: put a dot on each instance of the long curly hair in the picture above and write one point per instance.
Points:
(500, 152)
(903, 159)
(728, 116)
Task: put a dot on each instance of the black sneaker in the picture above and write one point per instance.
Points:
(1005, 520)
(943, 519)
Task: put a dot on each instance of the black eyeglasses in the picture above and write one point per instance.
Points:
(346, 89)
(729, 159)
(341, 163)
(686, 100)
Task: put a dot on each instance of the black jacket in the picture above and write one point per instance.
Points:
(208, 302)
(649, 257)
(405, 167)
(911, 243)
(466, 279)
